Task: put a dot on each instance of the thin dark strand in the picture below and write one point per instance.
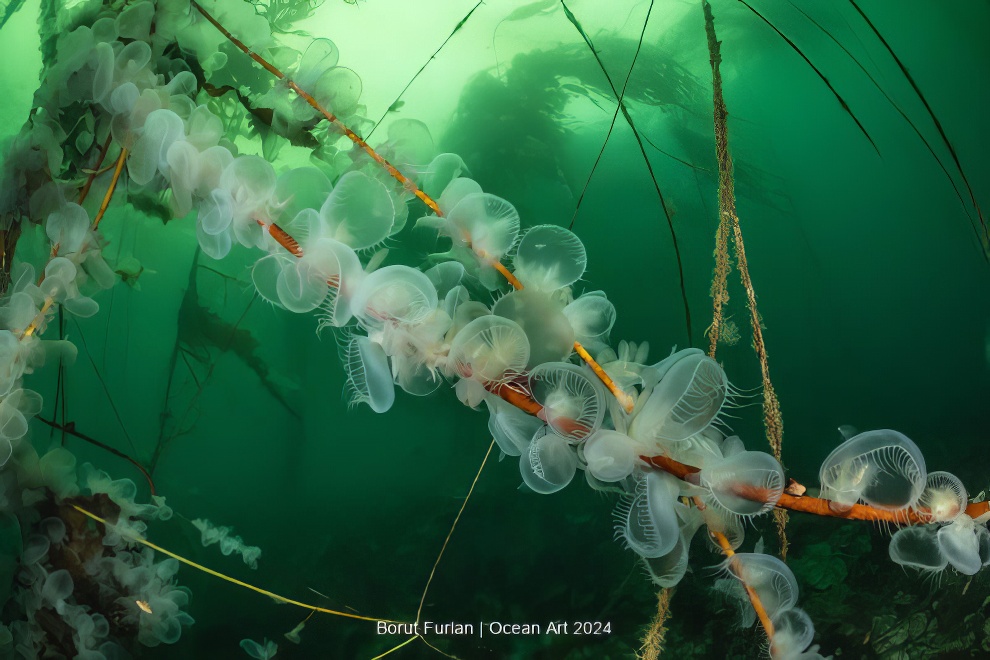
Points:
(422, 68)
(172, 363)
(160, 449)
(106, 390)
(71, 430)
(938, 125)
(109, 315)
(618, 95)
(670, 225)
(59, 380)
(192, 372)
(440, 651)
(673, 157)
(642, 149)
(910, 123)
(587, 181)
(233, 330)
(838, 97)
(96, 168)
(61, 368)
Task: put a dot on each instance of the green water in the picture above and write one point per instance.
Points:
(872, 286)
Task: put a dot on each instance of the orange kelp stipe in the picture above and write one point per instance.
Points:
(624, 399)
(113, 186)
(517, 398)
(96, 169)
(754, 598)
(409, 185)
(282, 238)
(332, 118)
(816, 505)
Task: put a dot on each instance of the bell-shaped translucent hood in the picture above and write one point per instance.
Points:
(489, 349)
(572, 403)
(549, 463)
(685, 402)
(549, 257)
(883, 468)
(551, 338)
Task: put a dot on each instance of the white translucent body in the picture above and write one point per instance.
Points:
(669, 569)
(416, 351)
(359, 212)
(728, 525)
(572, 404)
(148, 157)
(647, 520)
(883, 468)
(445, 277)
(944, 497)
(918, 547)
(339, 90)
(551, 338)
(247, 183)
(769, 577)
(489, 349)
(549, 257)
(686, 401)
(549, 463)
(960, 545)
(512, 428)
(747, 483)
(393, 294)
(369, 379)
(489, 224)
(793, 632)
(443, 169)
(592, 317)
(456, 190)
(296, 190)
(610, 455)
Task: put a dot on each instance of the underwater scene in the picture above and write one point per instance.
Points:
(494, 329)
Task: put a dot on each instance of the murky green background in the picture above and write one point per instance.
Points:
(872, 286)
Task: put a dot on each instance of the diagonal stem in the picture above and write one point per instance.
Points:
(332, 118)
(293, 246)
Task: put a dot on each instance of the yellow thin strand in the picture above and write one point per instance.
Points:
(457, 519)
(121, 159)
(214, 573)
(454, 657)
(36, 321)
(396, 648)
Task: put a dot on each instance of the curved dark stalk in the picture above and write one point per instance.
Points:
(70, 428)
(200, 384)
(673, 157)
(106, 390)
(621, 106)
(84, 192)
(838, 97)
(421, 69)
(59, 406)
(985, 238)
(952, 182)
